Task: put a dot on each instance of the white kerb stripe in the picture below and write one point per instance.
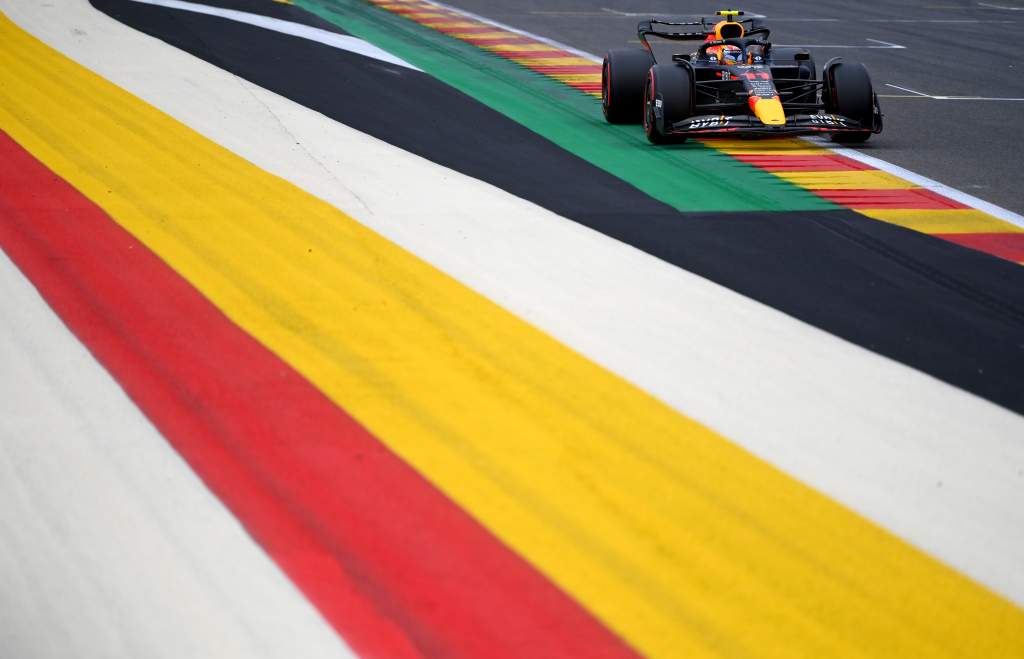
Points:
(333, 39)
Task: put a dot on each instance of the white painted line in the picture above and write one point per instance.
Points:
(904, 89)
(974, 98)
(865, 430)
(885, 45)
(916, 20)
(991, 6)
(656, 14)
(333, 39)
(950, 98)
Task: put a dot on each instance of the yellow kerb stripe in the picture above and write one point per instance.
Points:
(960, 220)
(867, 179)
(683, 543)
(578, 77)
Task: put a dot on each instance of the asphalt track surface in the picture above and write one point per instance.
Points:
(954, 48)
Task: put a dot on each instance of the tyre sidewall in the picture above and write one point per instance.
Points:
(850, 94)
(623, 74)
(668, 98)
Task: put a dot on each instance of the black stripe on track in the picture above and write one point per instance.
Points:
(948, 311)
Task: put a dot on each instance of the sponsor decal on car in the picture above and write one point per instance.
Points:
(827, 120)
(708, 122)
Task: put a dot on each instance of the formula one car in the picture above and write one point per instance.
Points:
(735, 83)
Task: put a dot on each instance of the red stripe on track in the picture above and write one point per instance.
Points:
(1008, 246)
(916, 198)
(805, 163)
(396, 567)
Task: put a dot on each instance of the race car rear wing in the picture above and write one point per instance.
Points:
(651, 28)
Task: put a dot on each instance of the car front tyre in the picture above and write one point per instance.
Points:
(668, 99)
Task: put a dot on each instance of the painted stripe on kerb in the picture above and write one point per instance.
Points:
(332, 39)
(805, 163)
(1009, 246)
(942, 221)
(845, 179)
(679, 540)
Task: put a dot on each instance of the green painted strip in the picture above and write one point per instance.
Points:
(690, 177)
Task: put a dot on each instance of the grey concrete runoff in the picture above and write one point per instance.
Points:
(953, 95)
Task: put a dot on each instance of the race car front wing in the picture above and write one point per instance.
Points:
(797, 124)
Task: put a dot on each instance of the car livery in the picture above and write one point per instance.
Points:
(736, 82)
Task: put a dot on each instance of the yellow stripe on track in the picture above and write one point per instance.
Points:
(866, 179)
(577, 77)
(680, 541)
(960, 220)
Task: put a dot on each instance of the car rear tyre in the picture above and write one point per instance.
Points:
(849, 93)
(622, 84)
(668, 98)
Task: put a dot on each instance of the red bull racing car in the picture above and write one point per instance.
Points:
(734, 84)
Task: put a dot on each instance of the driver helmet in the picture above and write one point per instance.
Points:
(731, 55)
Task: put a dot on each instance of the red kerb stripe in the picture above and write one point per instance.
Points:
(1008, 246)
(803, 163)
(914, 198)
